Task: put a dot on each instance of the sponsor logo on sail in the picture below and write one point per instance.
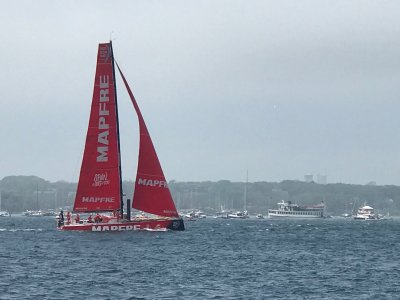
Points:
(105, 53)
(103, 124)
(100, 180)
(169, 212)
(153, 183)
(98, 199)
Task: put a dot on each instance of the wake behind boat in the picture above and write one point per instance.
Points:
(100, 181)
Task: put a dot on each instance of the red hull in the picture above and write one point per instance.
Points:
(135, 225)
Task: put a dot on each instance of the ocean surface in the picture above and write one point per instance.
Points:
(213, 259)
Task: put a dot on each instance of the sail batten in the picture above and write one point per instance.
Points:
(151, 194)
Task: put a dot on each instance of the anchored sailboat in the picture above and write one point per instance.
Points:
(3, 213)
(100, 181)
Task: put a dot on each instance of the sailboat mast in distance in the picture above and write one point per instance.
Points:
(245, 191)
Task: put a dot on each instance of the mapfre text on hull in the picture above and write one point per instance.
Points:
(124, 225)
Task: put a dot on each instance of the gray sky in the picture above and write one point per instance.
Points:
(278, 88)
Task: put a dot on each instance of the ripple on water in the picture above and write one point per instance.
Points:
(212, 259)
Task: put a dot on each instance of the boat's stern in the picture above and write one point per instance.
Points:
(177, 224)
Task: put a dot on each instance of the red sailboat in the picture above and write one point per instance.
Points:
(100, 181)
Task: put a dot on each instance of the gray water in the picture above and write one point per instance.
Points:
(212, 259)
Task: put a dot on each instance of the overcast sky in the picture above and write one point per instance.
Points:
(278, 88)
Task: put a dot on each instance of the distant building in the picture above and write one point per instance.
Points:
(309, 178)
(322, 179)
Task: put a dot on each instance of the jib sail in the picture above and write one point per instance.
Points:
(151, 193)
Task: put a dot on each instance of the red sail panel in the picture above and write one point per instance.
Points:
(151, 194)
(99, 181)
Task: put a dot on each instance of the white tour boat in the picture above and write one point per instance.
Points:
(290, 210)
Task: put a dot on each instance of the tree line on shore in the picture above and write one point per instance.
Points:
(21, 193)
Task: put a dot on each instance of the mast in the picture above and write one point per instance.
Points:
(245, 191)
(118, 138)
(37, 196)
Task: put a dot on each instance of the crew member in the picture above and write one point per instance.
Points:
(61, 218)
(97, 218)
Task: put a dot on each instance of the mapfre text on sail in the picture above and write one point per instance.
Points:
(98, 199)
(102, 137)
